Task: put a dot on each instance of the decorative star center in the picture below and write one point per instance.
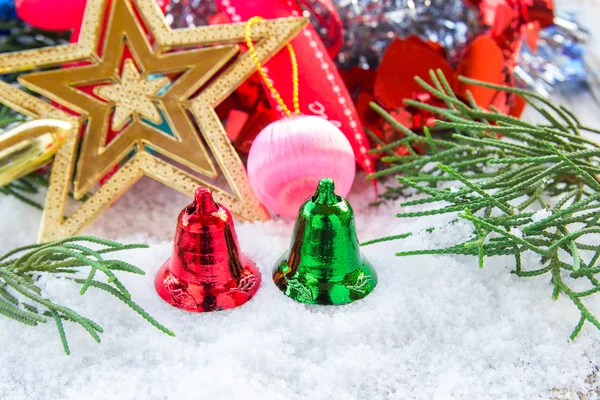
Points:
(133, 96)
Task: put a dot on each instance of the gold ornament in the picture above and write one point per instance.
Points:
(29, 146)
(179, 75)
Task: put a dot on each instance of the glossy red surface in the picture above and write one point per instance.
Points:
(206, 271)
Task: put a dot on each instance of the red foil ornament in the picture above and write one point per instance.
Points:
(395, 82)
(207, 271)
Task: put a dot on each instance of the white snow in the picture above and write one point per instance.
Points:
(540, 215)
(434, 328)
(516, 232)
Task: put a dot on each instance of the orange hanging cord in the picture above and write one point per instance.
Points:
(266, 78)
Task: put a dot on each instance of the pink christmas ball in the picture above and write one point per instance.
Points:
(289, 157)
(51, 15)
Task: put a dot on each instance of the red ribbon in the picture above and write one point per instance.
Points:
(330, 21)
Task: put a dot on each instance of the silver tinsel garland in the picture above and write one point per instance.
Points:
(370, 26)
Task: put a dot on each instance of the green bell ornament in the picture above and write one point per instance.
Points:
(324, 264)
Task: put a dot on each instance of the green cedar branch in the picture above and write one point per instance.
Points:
(21, 268)
(523, 187)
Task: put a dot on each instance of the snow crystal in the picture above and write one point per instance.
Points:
(436, 327)
(516, 232)
(541, 214)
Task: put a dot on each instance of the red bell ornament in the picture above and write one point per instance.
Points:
(206, 271)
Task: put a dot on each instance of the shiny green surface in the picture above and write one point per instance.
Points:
(324, 264)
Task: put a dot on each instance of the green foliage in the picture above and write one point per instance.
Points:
(497, 184)
(20, 269)
(21, 36)
(23, 189)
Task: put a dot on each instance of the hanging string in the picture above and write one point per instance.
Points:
(264, 75)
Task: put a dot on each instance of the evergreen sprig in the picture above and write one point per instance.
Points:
(23, 189)
(22, 300)
(524, 187)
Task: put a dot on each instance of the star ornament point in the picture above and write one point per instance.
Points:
(116, 89)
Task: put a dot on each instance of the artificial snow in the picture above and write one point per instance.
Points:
(436, 327)
(540, 215)
(516, 232)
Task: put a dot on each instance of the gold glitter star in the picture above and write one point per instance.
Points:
(132, 96)
(107, 76)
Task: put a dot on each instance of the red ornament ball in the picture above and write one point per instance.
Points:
(57, 15)
(50, 15)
